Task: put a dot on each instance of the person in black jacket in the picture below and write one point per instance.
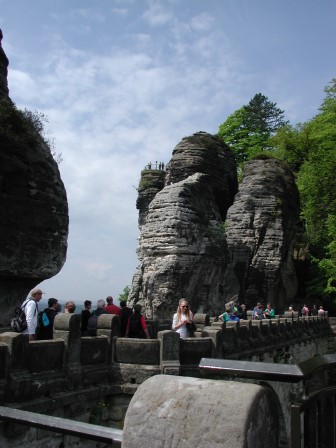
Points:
(45, 329)
(86, 314)
(125, 313)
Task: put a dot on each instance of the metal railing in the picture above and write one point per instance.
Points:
(312, 416)
(110, 436)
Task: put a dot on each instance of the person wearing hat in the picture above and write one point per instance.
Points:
(30, 308)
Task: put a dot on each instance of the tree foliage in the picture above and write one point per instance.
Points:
(25, 129)
(310, 150)
(123, 296)
(248, 130)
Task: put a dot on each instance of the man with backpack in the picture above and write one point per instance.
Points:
(30, 309)
(45, 323)
(136, 327)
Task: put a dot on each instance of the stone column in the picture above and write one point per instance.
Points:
(169, 352)
(215, 334)
(67, 327)
(19, 385)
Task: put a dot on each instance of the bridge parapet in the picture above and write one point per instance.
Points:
(72, 362)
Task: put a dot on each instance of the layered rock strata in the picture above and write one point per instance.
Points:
(34, 209)
(201, 240)
(260, 230)
(182, 245)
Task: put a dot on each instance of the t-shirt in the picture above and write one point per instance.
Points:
(112, 309)
(31, 312)
(183, 331)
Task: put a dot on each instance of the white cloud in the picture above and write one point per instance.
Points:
(145, 75)
(157, 14)
(202, 22)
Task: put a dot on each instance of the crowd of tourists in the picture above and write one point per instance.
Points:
(133, 325)
(40, 324)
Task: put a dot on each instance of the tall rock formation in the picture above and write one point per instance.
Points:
(261, 229)
(182, 246)
(3, 71)
(201, 240)
(34, 209)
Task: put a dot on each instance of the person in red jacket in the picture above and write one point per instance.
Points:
(110, 307)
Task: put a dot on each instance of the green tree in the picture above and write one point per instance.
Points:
(248, 130)
(317, 185)
(263, 116)
(123, 296)
(25, 129)
(293, 144)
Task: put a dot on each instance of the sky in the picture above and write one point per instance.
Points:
(123, 81)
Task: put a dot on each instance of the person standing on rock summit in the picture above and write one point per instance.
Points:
(30, 308)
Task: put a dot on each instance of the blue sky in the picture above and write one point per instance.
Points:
(123, 81)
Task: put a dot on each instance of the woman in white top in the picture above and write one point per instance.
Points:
(182, 317)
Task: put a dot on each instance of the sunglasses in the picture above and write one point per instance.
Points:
(184, 306)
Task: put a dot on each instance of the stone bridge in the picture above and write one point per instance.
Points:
(93, 379)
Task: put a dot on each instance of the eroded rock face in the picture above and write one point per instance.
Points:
(182, 245)
(261, 228)
(202, 241)
(3, 71)
(34, 210)
(206, 153)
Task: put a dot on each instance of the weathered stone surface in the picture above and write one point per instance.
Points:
(260, 231)
(34, 210)
(3, 71)
(182, 245)
(188, 412)
(182, 249)
(202, 241)
(151, 182)
(206, 153)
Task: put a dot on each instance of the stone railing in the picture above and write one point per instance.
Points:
(250, 338)
(94, 378)
(72, 362)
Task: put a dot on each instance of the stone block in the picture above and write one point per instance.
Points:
(192, 350)
(137, 351)
(93, 350)
(4, 361)
(18, 347)
(170, 346)
(190, 412)
(109, 322)
(216, 336)
(133, 374)
(46, 355)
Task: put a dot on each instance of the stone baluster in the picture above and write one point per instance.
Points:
(67, 327)
(169, 352)
(16, 370)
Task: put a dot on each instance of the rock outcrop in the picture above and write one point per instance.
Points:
(3, 71)
(182, 245)
(260, 230)
(201, 240)
(34, 210)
